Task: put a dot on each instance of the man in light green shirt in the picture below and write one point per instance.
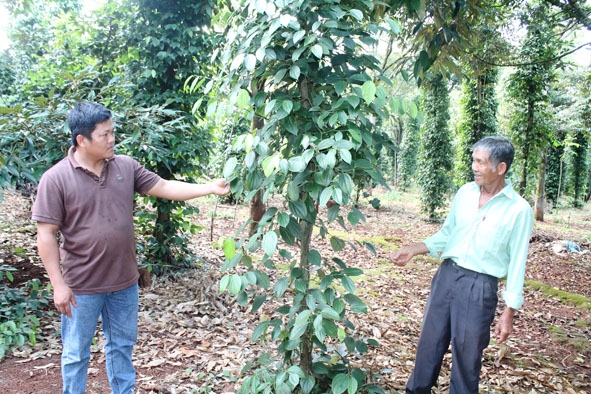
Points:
(484, 237)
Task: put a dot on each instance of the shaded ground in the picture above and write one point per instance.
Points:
(192, 339)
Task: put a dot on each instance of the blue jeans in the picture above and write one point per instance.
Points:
(119, 314)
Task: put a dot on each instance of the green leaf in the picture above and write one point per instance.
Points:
(345, 156)
(281, 286)
(258, 302)
(262, 279)
(317, 50)
(340, 87)
(352, 271)
(314, 257)
(211, 109)
(337, 244)
(348, 284)
(242, 298)
(287, 105)
(270, 164)
(229, 167)
(250, 62)
(283, 219)
(307, 384)
(243, 99)
(297, 164)
(368, 91)
(260, 330)
(292, 344)
(229, 248)
(224, 282)
(237, 61)
(357, 14)
(329, 313)
(394, 25)
(298, 208)
(286, 236)
(326, 144)
(298, 35)
(325, 196)
(319, 328)
(269, 243)
(354, 217)
(340, 383)
(356, 304)
(326, 281)
(413, 110)
(294, 72)
(235, 284)
(352, 387)
(279, 75)
(333, 213)
(303, 318)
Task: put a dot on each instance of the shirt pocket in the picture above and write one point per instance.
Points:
(492, 236)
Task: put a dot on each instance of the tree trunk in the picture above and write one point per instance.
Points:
(528, 132)
(163, 227)
(257, 208)
(541, 194)
(306, 345)
(306, 340)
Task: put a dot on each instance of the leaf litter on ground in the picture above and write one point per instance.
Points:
(194, 339)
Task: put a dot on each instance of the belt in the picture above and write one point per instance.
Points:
(469, 271)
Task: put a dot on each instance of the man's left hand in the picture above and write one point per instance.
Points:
(504, 326)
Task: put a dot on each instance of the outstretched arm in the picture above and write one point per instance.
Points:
(182, 191)
(403, 255)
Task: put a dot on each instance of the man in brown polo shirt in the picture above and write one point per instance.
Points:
(88, 197)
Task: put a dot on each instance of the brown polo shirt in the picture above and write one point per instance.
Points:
(95, 217)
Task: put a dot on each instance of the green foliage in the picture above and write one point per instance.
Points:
(579, 167)
(47, 40)
(478, 117)
(565, 123)
(223, 149)
(409, 152)
(20, 310)
(32, 138)
(528, 90)
(555, 172)
(440, 36)
(169, 45)
(7, 76)
(303, 70)
(435, 154)
(34, 135)
(164, 141)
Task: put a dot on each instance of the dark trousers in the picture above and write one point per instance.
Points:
(460, 309)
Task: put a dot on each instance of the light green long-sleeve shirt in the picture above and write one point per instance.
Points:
(492, 240)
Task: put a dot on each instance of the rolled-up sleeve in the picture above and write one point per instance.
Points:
(518, 249)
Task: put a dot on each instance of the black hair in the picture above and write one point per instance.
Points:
(500, 150)
(83, 118)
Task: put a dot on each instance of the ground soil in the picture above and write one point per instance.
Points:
(194, 339)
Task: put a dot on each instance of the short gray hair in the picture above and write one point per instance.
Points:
(499, 149)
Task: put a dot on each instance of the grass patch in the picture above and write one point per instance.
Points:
(567, 298)
(582, 323)
(578, 342)
(381, 242)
